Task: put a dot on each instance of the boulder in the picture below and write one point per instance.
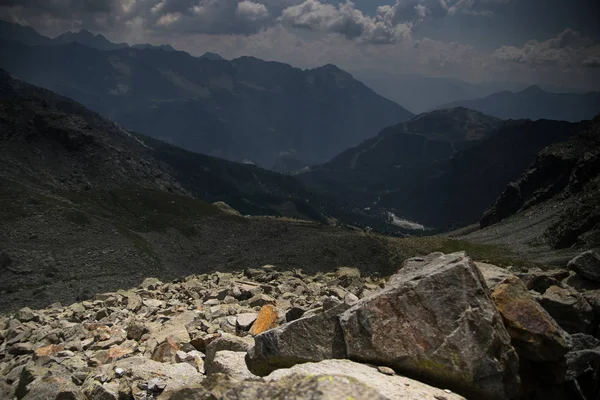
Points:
(315, 338)
(587, 265)
(166, 352)
(244, 321)
(301, 387)
(174, 328)
(436, 321)
(394, 387)
(492, 274)
(569, 308)
(101, 391)
(228, 342)
(583, 363)
(230, 363)
(534, 334)
(54, 387)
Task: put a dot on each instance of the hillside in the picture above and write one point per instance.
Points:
(554, 203)
(422, 170)
(244, 109)
(86, 206)
(535, 103)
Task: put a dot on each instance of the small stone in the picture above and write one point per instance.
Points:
(18, 349)
(151, 284)
(156, 385)
(245, 321)
(350, 299)
(294, 313)
(46, 351)
(386, 370)
(119, 372)
(135, 330)
(267, 319)
(26, 314)
(200, 343)
(261, 300)
(166, 351)
(330, 302)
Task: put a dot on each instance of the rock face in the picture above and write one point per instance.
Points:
(587, 265)
(436, 321)
(566, 175)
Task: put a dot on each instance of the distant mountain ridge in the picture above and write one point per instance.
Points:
(241, 109)
(87, 38)
(27, 35)
(536, 103)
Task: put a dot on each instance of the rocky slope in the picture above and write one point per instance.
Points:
(561, 189)
(421, 170)
(265, 332)
(52, 141)
(244, 109)
(536, 103)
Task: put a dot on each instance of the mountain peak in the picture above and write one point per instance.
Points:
(533, 89)
(329, 68)
(211, 56)
(85, 32)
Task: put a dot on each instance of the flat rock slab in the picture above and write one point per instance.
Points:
(394, 387)
(297, 387)
(436, 321)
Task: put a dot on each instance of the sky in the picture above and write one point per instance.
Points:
(527, 41)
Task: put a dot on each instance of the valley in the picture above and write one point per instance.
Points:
(194, 227)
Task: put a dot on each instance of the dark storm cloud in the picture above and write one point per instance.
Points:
(389, 23)
(62, 7)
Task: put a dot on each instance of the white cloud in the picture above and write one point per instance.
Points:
(168, 19)
(251, 11)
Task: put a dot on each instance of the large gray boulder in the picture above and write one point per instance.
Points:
(436, 321)
(315, 338)
(587, 265)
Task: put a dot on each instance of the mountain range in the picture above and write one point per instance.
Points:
(84, 152)
(243, 109)
(535, 103)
